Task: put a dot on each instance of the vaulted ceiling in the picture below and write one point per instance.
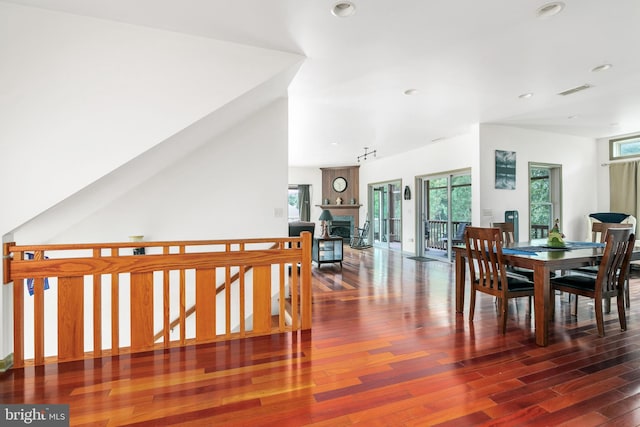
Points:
(468, 62)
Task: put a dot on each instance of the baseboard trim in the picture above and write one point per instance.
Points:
(6, 363)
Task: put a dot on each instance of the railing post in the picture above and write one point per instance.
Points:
(6, 262)
(305, 280)
(38, 314)
(18, 317)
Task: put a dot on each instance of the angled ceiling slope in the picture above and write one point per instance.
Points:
(84, 96)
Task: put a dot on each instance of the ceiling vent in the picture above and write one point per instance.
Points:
(575, 89)
(550, 9)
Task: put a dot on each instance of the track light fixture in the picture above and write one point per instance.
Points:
(366, 153)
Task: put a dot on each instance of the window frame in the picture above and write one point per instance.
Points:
(615, 143)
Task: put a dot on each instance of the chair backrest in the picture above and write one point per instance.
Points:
(507, 230)
(614, 266)
(460, 231)
(609, 217)
(599, 230)
(484, 253)
(297, 227)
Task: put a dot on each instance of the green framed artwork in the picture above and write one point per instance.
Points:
(505, 170)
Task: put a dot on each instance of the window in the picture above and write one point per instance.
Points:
(540, 199)
(460, 198)
(293, 212)
(545, 198)
(624, 147)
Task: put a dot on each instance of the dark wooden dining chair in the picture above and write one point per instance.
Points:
(599, 232)
(599, 235)
(489, 272)
(507, 230)
(610, 280)
(459, 234)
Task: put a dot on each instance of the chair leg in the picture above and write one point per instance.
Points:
(621, 314)
(503, 314)
(574, 311)
(599, 316)
(472, 303)
(627, 299)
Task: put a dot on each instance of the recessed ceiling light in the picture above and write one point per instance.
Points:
(343, 9)
(602, 67)
(410, 92)
(550, 9)
(525, 95)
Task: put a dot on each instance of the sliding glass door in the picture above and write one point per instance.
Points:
(444, 211)
(386, 214)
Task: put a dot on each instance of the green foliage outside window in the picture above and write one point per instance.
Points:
(293, 199)
(460, 199)
(540, 193)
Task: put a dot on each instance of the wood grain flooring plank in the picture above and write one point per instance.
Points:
(591, 419)
(631, 418)
(523, 402)
(586, 381)
(576, 410)
(628, 404)
(585, 393)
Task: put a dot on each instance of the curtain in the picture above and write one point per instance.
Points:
(304, 202)
(624, 179)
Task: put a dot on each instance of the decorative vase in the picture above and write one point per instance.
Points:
(555, 238)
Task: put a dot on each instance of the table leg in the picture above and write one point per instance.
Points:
(461, 268)
(542, 302)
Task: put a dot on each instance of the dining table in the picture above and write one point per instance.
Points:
(536, 256)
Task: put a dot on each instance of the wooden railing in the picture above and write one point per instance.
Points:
(436, 231)
(168, 274)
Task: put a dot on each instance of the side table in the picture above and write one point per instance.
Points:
(327, 250)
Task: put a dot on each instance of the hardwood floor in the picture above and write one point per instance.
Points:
(386, 349)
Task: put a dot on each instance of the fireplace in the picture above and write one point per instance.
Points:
(342, 225)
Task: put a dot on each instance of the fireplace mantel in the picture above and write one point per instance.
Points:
(345, 206)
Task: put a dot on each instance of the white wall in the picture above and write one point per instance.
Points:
(602, 146)
(476, 151)
(580, 167)
(443, 156)
(82, 96)
(230, 187)
(603, 171)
